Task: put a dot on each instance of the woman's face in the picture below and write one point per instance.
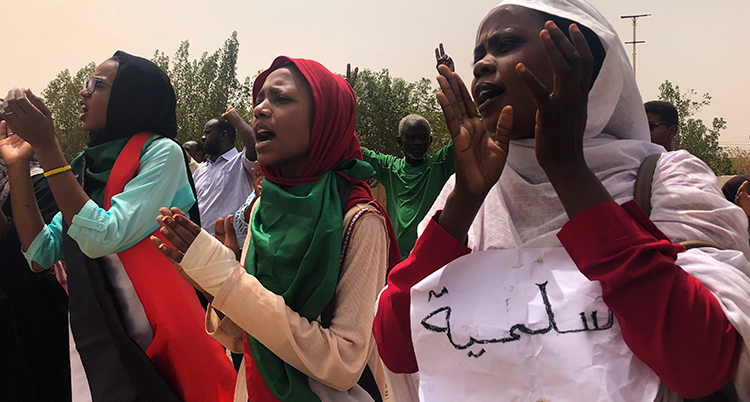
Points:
(283, 116)
(94, 116)
(509, 36)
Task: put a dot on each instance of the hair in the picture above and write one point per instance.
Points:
(224, 125)
(416, 118)
(665, 110)
(595, 44)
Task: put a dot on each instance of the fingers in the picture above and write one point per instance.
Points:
(454, 126)
(437, 54)
(37, 103)
(3, 130)
(471, 109)
(450, 87)
(587, 58)
(442, 51)
(348, 70)
(537, 89)
(219, 230)
(182, 218)
(167, 251)
(504, 127)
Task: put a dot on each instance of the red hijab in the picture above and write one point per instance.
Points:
(333, 139)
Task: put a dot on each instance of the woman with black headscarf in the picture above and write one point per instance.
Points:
(137, 328)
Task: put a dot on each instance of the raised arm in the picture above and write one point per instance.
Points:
(246, 132)
(29, 118)
(17, 154)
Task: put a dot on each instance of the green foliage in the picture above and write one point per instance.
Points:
(206, 87)
(694, 136)
(382, 101)
(61, 96)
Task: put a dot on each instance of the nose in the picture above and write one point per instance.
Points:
(484, 66)
(84, 93)
(261, 109)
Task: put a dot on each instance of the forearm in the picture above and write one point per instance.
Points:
(392, 325)
(25, 209)
(458, 214)
(577, 187)
(247, 135)
(69, 195)
(661, 309)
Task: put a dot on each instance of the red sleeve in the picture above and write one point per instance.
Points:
(392, 326)
(668, 318)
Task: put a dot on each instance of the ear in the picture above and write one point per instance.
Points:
(398, 140)
(431, 139)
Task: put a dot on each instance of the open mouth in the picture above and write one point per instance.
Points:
(263, 136)
(485, 92)
(84, 108)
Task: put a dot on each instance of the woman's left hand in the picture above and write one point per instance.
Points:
(179, 230)
(561, 113)
(29, 118)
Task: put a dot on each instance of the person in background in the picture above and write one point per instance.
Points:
(663, 122)
(412, 183)
(224, 181)
(194, 150)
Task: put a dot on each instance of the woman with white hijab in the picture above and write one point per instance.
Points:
(557, 285)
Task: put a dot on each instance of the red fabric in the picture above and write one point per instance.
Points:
(190, 361)
(392, 325)
(257, 390)
(667, 317)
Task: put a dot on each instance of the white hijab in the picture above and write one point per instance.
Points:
(523, 209)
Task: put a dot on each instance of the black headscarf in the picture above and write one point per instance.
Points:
(142, 99)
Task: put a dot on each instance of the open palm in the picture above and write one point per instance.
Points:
(13, 148)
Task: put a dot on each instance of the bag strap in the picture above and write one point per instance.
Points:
(643, 181)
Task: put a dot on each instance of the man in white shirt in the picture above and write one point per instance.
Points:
(224, 181)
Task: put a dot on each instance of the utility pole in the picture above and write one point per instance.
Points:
(634, 42)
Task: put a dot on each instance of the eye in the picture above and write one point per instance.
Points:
(282, 99)
(503, 45)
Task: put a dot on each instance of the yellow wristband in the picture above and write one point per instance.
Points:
(54, 172)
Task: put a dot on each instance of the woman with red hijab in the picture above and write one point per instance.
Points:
(300, 303)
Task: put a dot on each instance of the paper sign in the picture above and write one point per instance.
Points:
(521, 325)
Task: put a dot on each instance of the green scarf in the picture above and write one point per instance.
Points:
(294, 252)
(98, 162)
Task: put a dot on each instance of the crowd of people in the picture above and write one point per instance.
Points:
(513, 264)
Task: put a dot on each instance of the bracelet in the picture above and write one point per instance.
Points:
(56, 171)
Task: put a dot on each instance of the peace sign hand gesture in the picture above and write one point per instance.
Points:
(443, 59)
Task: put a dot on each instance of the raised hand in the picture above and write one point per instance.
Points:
(479, 160)
(561, 119)
(180, 231)
(224, 232)
(351, 77)
(443, 59)
(13, 148)
(28, 117)
(231, 115)
(561, 112)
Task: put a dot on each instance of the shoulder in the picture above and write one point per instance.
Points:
(365, 215)
(165, 154)
(163, 147)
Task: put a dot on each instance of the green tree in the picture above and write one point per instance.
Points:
(206, 87)
(383, 100)
(694, 136)
(61, 96)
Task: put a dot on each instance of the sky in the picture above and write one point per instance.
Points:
(694, 44)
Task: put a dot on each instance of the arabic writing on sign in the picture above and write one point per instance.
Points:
(516, 330)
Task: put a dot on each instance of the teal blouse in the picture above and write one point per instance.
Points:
(161, 181)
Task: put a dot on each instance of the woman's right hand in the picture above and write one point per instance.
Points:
(13, 149)
(479, 160)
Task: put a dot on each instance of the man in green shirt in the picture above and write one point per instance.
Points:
(411, 183)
